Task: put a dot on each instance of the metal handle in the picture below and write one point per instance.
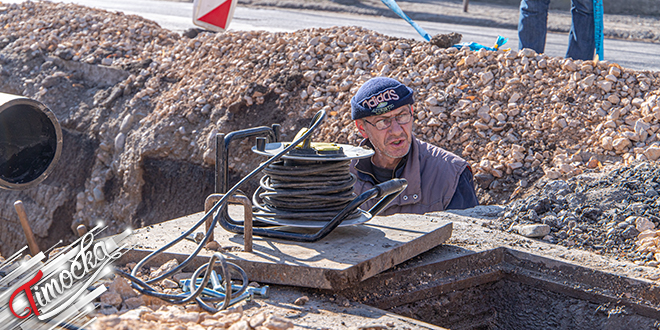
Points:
(222, 151)
(390, 190)
(390, 187)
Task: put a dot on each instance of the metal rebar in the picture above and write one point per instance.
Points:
(247, 216)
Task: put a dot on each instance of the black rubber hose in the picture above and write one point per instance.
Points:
(70, 327)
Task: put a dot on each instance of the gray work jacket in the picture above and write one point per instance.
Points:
(432, 174)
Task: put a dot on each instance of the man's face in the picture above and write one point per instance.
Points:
(393, 142)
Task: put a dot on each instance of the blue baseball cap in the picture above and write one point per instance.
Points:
(378, 96)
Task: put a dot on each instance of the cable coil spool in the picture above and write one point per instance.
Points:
(305, 190)
(309, 186)
(306, 185)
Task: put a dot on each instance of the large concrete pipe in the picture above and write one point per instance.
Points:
(30, 141)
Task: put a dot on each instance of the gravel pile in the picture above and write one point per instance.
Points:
(176, 317)
(137, 311)
(608, 213)
(140, 92)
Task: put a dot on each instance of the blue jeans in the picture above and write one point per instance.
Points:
(532, 27)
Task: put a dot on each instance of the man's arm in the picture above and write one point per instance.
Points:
(464, 197)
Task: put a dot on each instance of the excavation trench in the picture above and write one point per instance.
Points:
(508, 289)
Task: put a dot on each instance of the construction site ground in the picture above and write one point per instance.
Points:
(141, 107)
(345, 309)
(470, 235)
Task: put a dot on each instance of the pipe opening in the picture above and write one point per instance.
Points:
(28, 144)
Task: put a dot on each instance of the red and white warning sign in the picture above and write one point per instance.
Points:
(213, 15)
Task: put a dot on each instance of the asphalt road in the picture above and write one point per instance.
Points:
(177, 16)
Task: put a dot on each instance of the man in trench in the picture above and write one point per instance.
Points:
(437, 179)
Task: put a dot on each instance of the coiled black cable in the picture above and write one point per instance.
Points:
(295, 189)
(195, 292)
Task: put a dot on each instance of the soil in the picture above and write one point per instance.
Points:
(171, 188)
(446, 40)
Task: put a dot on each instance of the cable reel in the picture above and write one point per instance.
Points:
(306, 184)
(309, 185)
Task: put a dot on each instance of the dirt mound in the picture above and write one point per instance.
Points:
(142, 106)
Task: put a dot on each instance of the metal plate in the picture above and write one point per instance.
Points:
(350, 152)
(362, 218)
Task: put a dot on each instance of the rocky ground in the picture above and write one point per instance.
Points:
(141, 106)
(121, 307)
(275, 308)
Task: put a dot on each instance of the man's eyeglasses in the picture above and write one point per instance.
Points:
(401, 119)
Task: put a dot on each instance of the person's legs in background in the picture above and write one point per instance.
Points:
(581, 42)
(532, 25)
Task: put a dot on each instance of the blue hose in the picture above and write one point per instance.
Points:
(395, 8)
(598, 28)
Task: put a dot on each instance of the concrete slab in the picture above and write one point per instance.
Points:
(347, 256)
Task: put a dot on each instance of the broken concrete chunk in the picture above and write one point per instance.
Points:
(642, 224)
(301, 301)
(111, 298)
(277, 323)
